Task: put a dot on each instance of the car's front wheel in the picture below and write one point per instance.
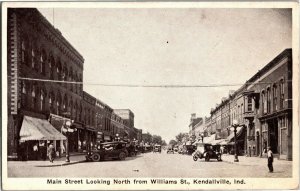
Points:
(96, 157)
(122, 156)
(195, 158)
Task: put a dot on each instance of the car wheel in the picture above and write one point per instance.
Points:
(132, 154)
(96, 157)
(195, 158)
(122, 156)
(207, 157)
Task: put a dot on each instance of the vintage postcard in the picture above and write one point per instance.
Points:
(150, 95)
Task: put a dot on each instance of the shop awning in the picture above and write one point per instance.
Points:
(209, 139)
(38, 129)
(217, 142)
(239, 131)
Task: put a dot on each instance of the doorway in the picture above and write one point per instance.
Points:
(273, 135)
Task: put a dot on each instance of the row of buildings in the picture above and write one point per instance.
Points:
(45, 89)
(263, 109)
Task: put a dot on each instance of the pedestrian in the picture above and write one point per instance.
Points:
(270, 159)
(51, 152)
(35, 151)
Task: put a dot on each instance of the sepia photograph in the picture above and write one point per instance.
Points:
(150, 95)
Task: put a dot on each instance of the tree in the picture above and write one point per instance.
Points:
(163, 143)
(180, 137)
(172, 142)
(156, 139)
(147, 138)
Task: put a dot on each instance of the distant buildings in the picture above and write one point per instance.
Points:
(38, 109)
(263, 109)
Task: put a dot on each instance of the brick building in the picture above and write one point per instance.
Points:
(263, 109)
(36, 50)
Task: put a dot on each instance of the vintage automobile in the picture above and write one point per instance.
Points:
(157, 148)
(170, 150)
(131, 150)
(206, 151)
(108, 150)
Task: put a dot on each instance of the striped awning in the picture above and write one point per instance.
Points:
(38, 129)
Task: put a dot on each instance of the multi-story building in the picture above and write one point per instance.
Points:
(117, 125)
(269, 107)
(207, 124)
(89, 121)
(193, 121)
(263, 110)
(127, 115)
(36, 50)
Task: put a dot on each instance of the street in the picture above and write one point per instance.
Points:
(154, 165)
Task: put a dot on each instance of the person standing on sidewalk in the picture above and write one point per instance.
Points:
(270, 159)
(51, 152)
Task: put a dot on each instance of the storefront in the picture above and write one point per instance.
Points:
(276, 132)
(35, 136)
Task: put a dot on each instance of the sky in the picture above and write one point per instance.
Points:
(190, 46)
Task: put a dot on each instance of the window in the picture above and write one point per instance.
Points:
(268, 100)
(249, 104)
(42, 64)
(275, 98)
(33, 96)
(42, 100)
(32, 58)
(23, 53)
(264, 102)
(281, 94)
(23, 86)
(57, 106)
(51, 67)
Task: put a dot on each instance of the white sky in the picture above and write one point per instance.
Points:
(205, 46)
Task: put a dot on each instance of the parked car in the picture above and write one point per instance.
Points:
(170, 150)
(157, 149)
(131, 150)
(108, 150)
(206, 151)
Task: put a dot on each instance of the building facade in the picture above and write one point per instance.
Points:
(36, 50)
(262, 107)
(270, 107)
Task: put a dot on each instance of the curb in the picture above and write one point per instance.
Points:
(63, 164)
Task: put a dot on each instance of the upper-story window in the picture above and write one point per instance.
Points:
(281, 87)
(24, 51)
(42, 97)
(275, 105)
(33, 96)
(42, 62)
(33, 58)
(268, 100)
(23, 86)
(249, 104)
(264, 102)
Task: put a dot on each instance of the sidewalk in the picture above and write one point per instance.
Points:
(252, 161)
(74, 158)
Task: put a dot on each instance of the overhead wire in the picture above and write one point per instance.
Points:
(140, 85)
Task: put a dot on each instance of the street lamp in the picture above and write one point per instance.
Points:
(235, 124)
(68, 125)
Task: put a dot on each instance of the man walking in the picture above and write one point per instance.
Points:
(51, 152)
(270, 159)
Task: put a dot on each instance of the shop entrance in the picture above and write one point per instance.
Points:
(273, 135)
